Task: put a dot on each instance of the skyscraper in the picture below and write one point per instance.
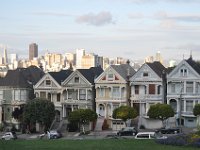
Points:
(5, 58)
(79, 54)
(33, 51)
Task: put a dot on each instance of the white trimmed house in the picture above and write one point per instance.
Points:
(146, 90)
(183, 91)
(112, 90)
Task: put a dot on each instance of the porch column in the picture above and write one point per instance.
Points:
(184, 103)
(63, 111)
(78, 94)
(86, 98)
(0, 114)
(194, 87)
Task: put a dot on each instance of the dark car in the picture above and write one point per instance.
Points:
(168, 130)
(127, 131)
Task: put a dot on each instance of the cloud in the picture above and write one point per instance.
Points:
(136, 16)
(99, 19)
(178, 17)
(166, 1)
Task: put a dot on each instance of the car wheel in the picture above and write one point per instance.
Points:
(54, 137)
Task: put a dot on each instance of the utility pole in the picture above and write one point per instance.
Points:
(180, 105)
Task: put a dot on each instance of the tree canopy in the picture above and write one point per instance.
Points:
(124, 113)
(82, 116)
(196, 110)
(39, 110)
(160, 111)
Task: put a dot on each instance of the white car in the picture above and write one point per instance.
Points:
(149, 135)
(9, 136)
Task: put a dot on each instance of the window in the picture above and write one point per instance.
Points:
(89, 95)
(183, 72)
(48, 82)
(189, 87)
(110, 77)
(151, 88)
(49, 96)
(23, 95)
(145, 74)
(173, 88)
(189, 106)
(136, 89)
(70, 92)
(43, 94)
(82, 94)
(17, 95)
(76, 79)
(159, 89)
(1, 95)
(101, 92)
(58, 97)
(116, 92)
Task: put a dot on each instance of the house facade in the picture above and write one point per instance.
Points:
(16, 88)
(79, 90)
(112, 90)
(183, 91)
(146, 90)
(49, 87)
(68, 90)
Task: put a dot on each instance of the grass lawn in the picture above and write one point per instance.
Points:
(106, 144)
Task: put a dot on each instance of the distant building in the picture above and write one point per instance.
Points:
(33, 51)
(79, 54)
(159, 57)
(13, 58)
(5, 58)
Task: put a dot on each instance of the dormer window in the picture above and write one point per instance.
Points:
(48, 82)
(145, 74)
(183, 72)
(76, 79)
(110, 77)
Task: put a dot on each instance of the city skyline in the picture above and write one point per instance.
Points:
(131, 29)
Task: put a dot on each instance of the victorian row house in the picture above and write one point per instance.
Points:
(16, 89)
(69, 90)
(147, 89)
(183, 91)
(113, 90)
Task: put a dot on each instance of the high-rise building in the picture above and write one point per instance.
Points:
(33, 51)
(79, 54)
(5, 58)
(13, 58)
(159, 57)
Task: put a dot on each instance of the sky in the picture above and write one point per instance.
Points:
(131, 29)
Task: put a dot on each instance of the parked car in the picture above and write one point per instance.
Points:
(168, 130)
(149, 135)
(127, 131)
(9, 136)
(53, 134)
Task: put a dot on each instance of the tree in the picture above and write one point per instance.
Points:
(196, 110)
(18, 113)
(161, 112)
(124, 113)
(40, 111)
(82, 117)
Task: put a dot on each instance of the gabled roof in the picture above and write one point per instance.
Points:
(91, 74)
(194, 64)
(157, 67)
(22, 77)
(61, 75)
(123, 70)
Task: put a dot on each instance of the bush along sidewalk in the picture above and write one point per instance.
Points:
(192, 139)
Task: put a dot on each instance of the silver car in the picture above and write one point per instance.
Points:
(9, 136)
